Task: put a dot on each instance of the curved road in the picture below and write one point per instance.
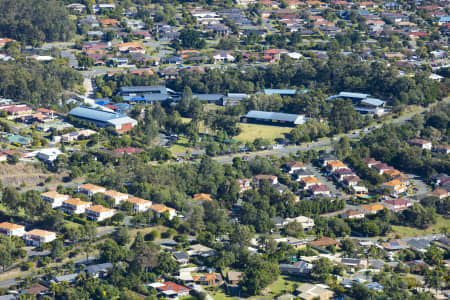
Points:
(326, 142)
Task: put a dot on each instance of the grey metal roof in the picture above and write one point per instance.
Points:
(280, 91)
(69, 278)
(94, 114)
(359, 96)
(143, 89)
(306, 172)
(208, 97)
(353, 95)
(373, 101)
(419, 243)
(157, 97)
(98, 268)
(267, 115)
(237, 95)
(180, 255)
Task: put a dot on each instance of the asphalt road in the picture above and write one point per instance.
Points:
(327, 142)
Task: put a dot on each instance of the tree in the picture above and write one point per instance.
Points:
(258, 274)
(166, 264)
(109, 35)
(121, 236)
(5, 256)
(12, 199)
(191, 39)
(110, 251)
(41, 21)
(57, 251)
(322, 269)
(348, 246)
(138, 243)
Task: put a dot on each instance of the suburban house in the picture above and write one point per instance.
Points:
(440, 193)
(371, 161)
(159, 209)
(308, 291)
(298, 175)
(394, 186)
(381, 168)
(48, 154)
(352, 214)
(394, 245)
(75, 206)
(353, 262)
(398, 204)
(292, 241)
(100, 270)
(424, 144)
(54, 198)
(336, 165)
(309, 181)
(99, 213)
(37, 237)
(181, 258)
(293, 166)
(306, 222)
(271, 178)
(203, 197)
(417, 266)
(319, 190)
(358, 189)
(234, 277)
(118, 197)
(351, 180)
(326, 158)
(372, 208)
(297, 268)
(132, 47)
(324, 242)
(139, 204)
(10, 229)
(244, 184)
(200, 250)
(210, 279)
(90, 189)
(441, 149)
(170, 289)
(341, 173)
(223, 56)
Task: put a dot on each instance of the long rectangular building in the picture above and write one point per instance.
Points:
(103, 118)
(273, 118)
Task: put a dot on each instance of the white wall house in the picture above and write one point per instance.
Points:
(10, 229)
(75, 206)
(90, 189)
(139, 204)
(37, 237)
(54, 198)
(99, 213)
(118, 197)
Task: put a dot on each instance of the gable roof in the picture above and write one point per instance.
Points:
(75, 202)
(267, 115)
(324, 242)
(10, 226)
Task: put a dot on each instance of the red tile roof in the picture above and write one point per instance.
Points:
(172, 286)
